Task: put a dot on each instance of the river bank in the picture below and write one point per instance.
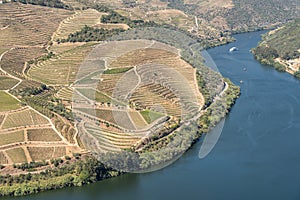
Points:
(89, 170)
(280, 47)
(82, 172)
(256, 155)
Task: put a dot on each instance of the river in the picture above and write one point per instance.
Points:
(256, 157)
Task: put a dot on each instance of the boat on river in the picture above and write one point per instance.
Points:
(232, 49)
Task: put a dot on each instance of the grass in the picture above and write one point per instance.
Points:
(13, 137)
(150, 116)
(46, 135)
(137, 119)
(17, 155)
(7, 102)
(117, 70)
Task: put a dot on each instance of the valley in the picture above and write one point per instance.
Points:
(92, 90)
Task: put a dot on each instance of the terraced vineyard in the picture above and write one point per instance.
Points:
(112, 141)
(66, 129)
(108, 82)
(149, 85)
(95, 95)
(65, 93)
(145, 99)
(27, 31)
(62, 68)
(117, 117)
(112, 26)
(40, 73)
(108, 96)
(76, 22)
(14, 60)
(36, 22)
(63, 47)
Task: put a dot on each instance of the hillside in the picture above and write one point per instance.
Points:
(31, 133)
(212, 21)
(81, 81)
(281, 48)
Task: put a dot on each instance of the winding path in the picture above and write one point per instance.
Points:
(136, 86)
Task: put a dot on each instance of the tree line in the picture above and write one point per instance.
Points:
(85, 171)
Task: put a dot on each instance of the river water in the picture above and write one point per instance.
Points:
(256, 157)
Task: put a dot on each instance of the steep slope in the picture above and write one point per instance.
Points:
(281, 48)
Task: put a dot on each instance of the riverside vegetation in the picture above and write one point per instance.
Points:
(77, 173)
(280, 48)
(45, 90)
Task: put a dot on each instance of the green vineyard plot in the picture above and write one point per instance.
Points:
(12, 137)
(23, 118)
(7, 102)
(7, 83)
(151, 116)
(17, 155)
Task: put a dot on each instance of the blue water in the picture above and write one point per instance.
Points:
(257, 156)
